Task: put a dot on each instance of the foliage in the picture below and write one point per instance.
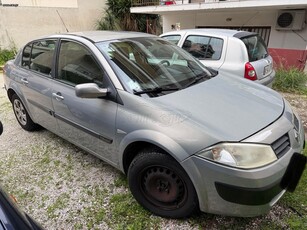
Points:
(290, 80)
(118, 17)
(6, 54)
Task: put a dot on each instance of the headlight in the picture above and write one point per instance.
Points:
(240, 155)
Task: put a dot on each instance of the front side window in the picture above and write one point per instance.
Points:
(77, 65)
(38, 56)
(256, 48)
(152, 66)
(203, 47)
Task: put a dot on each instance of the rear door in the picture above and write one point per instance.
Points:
(258, 55)
(35, 75)
(89, 123)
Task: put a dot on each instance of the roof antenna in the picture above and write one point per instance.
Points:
(62, 21)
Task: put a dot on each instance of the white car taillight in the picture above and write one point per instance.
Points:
(250, 72)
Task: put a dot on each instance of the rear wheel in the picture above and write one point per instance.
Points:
(22, 115)
(160, 184)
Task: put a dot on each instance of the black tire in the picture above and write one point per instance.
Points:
(161, 185)
(22, 115)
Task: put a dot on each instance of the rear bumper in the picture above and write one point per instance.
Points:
(268, 80)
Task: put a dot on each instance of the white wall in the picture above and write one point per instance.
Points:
(18, 25)
(278, 39)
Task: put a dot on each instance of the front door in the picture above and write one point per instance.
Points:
(89, 123)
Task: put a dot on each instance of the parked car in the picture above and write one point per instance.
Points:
(240, 53)
(11, 218)
(187, 139)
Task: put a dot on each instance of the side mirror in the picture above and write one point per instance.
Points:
(1, 128)
(90, 90)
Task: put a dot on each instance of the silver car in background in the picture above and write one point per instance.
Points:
(187, 138)
(239, 53)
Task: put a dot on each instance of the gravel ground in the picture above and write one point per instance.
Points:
(63, 187)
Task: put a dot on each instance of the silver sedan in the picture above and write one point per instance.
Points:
(187, 137)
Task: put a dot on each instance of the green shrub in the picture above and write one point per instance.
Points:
(290, 80)
(6, 55)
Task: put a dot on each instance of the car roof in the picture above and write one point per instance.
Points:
(214, 32)
(103, 35)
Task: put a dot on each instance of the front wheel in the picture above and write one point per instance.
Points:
(22, 115)
(160, 184)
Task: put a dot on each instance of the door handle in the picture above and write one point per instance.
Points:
(58, 96)
(24, 81)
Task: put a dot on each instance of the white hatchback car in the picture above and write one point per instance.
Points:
(239, 53)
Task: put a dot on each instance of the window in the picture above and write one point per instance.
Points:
(77, 65)
(38, 56)
(172, 38)
(145, 63)
(203, 47)
(256, 48)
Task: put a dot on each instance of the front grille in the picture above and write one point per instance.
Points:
(281, 145)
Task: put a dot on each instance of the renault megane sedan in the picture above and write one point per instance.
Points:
(187, 138)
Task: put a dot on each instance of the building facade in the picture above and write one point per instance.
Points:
(282, 23)
(23, 20)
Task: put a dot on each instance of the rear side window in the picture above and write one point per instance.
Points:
(172, 38)
(204, 47)
(38, 56)
(256, 48)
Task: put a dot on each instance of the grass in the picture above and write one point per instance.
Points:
(290, 80)
(126, 213)
(297, 202)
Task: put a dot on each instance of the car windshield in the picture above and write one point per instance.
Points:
(152, 67)
(256, 47)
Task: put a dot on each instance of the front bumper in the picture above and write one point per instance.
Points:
(237, 192)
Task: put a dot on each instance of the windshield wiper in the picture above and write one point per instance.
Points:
(154, 90)
(197, 79)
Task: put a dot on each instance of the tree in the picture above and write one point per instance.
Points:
(118, 17)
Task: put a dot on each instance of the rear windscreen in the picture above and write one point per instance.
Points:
(256, 47)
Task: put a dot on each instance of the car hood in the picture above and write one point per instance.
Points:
(226, 108)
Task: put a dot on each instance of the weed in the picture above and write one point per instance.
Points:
(290, 80)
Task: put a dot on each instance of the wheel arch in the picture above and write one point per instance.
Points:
(139, 140)
(10, 93)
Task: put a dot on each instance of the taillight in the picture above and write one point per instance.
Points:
(250, 72)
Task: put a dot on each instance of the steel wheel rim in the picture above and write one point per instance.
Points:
(163, 188)
(20, 112)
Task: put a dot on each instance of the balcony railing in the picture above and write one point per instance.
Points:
(136, 3)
